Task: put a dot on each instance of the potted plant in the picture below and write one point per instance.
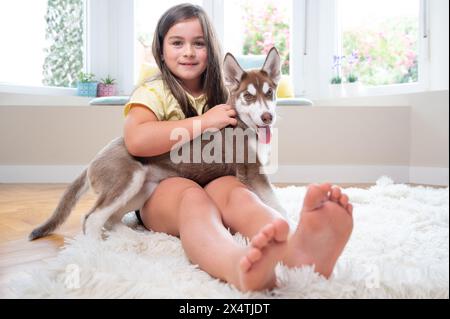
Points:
(336, 80)
(107, 87)
(335, 86)
(352, 87)
(86, 85)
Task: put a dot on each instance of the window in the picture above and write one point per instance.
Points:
(380, 41)
(254, 27)
(147, 14)
(388, 41)
(43, 42)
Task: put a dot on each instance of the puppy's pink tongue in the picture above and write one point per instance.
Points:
(264, 135)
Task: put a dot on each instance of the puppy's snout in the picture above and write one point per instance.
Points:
(267, 118)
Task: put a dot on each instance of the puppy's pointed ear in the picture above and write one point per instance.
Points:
(272, 65)
(232, 71)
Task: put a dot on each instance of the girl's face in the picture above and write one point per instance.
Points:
(184, 51)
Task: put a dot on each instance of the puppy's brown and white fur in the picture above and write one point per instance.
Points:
(123, 182)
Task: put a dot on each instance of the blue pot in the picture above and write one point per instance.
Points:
(87, 89)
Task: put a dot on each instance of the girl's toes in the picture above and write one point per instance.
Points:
(260, 241)
(269, 230)
(281, 230)
(335, 194)
(254, 255)
(350, 209)
(326, 188)
(245, 264)
(343, 201)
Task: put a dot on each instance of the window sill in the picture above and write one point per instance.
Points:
(364, 101)
(12, 99)
(360, 101)
(37, 90)
(16, 99)
(62, 101)
(388, 100)
(300, 101)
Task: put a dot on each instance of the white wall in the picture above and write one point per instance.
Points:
(429, 137)
(353, 140)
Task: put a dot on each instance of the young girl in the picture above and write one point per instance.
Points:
(190, 87)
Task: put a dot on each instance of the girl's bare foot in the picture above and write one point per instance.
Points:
(256, 268)
(325, 226)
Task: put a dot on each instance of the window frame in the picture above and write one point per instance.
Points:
(48, 90)
(109, 47)
(110, 41)
(324, 22)
(315, 37)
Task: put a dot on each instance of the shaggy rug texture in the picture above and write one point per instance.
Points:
(399, 249)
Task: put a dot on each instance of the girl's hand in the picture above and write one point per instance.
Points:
(219, 117)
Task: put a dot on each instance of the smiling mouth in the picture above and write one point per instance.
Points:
(188, 64)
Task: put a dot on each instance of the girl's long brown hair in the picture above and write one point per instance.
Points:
(211, 81)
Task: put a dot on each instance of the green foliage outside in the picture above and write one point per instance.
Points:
(381, 55)
(86, 77)
(64, 34)
(386, 56)
(264, 29)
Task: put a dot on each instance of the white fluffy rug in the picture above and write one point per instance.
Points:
(399, 249)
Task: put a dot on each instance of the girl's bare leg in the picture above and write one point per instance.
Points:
(182, 208)
(325, 223)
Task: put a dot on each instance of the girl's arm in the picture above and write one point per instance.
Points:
(145, 136)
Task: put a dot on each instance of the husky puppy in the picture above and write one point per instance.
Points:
(123, 182)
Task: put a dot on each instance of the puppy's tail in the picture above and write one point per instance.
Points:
(65, 206)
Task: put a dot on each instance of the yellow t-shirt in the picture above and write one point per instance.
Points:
(160, 100)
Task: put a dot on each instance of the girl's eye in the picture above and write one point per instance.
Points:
(177, 43)
(199, 44)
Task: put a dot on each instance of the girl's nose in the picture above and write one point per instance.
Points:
(189, 51)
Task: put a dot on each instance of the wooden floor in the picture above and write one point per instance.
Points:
(22, 208)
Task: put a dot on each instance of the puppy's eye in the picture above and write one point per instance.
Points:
(269, 92)
(248, 97)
